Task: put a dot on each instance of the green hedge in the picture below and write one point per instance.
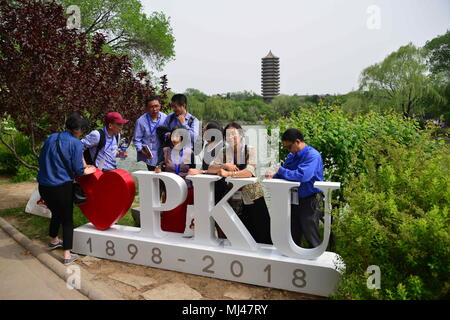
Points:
(394, 206)
(10, 166)
(397, 219)
(341, 139)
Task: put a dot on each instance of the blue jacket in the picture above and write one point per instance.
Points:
(52, 171)
(306, 167)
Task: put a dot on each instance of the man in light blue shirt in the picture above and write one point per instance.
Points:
(180, 117)
(104, 157)
(303, 164)
(145, 133)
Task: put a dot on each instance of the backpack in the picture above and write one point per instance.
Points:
(198, 143)
(162, 130)
(190, 121)
(101, 144)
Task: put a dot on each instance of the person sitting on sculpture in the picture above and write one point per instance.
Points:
(213, 133)
(238, 160)
(177, 158)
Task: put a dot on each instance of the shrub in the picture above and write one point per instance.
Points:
(341, 139)
(9, 164)
(398, 219)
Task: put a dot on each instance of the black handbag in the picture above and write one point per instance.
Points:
(79, 197)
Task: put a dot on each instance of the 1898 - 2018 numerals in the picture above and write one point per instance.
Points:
(236, 267)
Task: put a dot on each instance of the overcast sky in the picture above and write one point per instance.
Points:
(323, 45)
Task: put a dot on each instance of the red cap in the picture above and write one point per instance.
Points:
(114, 117)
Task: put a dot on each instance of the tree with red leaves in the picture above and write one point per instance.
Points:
(48, 71)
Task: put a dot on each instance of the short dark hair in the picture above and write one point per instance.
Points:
(291, 135)
(214, 125)
(76, 121)
(234, 125)
(179, 99)
(150, 98)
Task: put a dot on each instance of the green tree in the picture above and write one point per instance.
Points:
(196, 94)
(243, 96)
(401, 81)
(218, 108)
(439, 54)
(439, 60)
(284, 104)
(128, 30)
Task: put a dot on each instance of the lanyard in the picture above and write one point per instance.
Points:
(178, 165)
(112, 139)
(150, 126)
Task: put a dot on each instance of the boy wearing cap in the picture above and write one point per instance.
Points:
(104, 157)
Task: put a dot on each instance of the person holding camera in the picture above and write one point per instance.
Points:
(238, 160)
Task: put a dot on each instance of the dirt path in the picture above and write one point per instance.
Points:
(140, 282)
(13, 195)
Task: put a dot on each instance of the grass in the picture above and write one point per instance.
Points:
(36, 227)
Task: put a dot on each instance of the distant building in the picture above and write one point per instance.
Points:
(270, 77)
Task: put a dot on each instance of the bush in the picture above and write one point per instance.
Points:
(341, 139)
(393, 211)
(24, 174)
(397, 219)
(9, 165)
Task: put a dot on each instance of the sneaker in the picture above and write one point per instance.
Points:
(52, 246)
(188, 233)
(72, 258)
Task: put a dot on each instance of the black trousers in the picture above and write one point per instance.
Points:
(256, 219)
(59, 200)
(151, 168)
(305, 220)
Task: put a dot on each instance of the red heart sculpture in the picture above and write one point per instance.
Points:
(110, 195)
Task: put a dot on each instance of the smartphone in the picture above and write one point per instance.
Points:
(147, 149)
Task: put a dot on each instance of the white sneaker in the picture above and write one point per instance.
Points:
(188, 233)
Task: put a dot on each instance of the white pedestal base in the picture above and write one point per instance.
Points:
(266, 267)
